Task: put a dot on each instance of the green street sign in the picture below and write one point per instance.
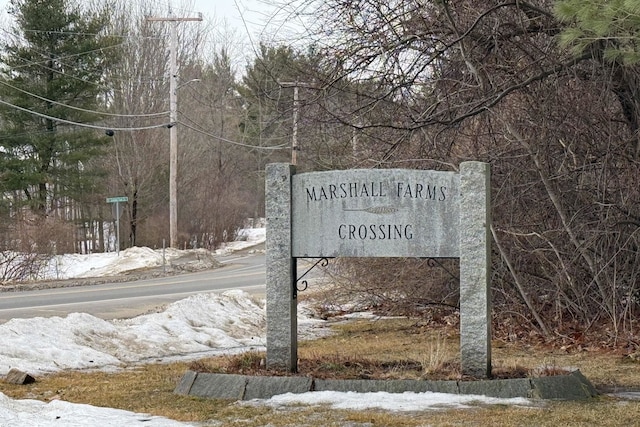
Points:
(117, 199)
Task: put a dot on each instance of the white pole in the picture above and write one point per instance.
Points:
(294, 142)
(173, 119)
(173, 139)
(117, 228)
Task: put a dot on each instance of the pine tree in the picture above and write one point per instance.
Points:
(610, 27)
(54, 61)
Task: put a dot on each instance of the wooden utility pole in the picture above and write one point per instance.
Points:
(294, 140)
(173, 119)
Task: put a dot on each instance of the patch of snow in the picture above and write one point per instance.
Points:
(247, 237)
(60, 413)
(199, 324)
(395, 402)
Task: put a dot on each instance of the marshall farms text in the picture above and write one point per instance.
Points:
(343, 190)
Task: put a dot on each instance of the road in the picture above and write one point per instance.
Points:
(129, 299)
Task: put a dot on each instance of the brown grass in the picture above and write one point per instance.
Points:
(391, 348)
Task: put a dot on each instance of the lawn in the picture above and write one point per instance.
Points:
(382, 348)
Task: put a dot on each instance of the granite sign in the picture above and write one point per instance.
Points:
(378, 213)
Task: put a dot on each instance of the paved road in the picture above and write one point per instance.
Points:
(128, 299)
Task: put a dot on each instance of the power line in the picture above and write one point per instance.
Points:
(173, 8)
(4, 136)
(240, 144)
(61, 59)
(202, 130)
(62, 73)
(46, 57)
(164, 113)
(86, 125)
(71, 33)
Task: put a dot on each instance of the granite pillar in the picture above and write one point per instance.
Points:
(282, 324)
(475, 269)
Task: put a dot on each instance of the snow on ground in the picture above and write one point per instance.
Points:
(200, 325)
(394, 402)
(247, 238)
(72, 266)
(35, 413)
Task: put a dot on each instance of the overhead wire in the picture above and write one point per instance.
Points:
(173, 8)
(167, 125)
(104, 127)
(42, 98)
(60, 58)
(19, 135)
(86, 125)
(240, 144)
(61, 61)
(58, 72)
(72, 33)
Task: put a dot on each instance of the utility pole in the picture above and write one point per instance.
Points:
(294, 140)
(173, 119)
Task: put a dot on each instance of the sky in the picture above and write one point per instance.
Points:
(251, 22)
(247, 17)
(237, 25)
(198, 326)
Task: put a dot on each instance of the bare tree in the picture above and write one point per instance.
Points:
(437, 83)
(141, 92)
(217, 175)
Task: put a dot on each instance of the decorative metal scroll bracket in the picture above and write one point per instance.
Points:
(302, 285)
(435, 262)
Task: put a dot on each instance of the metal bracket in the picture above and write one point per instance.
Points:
(303, 283)
(434, 262)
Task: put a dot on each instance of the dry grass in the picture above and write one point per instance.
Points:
(392, 348)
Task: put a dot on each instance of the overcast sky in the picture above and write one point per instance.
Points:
(239, 14)
(237, 25)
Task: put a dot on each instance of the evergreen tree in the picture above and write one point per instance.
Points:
(51, 80)
(268, 111)
(609, 27)
(268, 89)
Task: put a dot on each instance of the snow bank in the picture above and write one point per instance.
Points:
(200, 324)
